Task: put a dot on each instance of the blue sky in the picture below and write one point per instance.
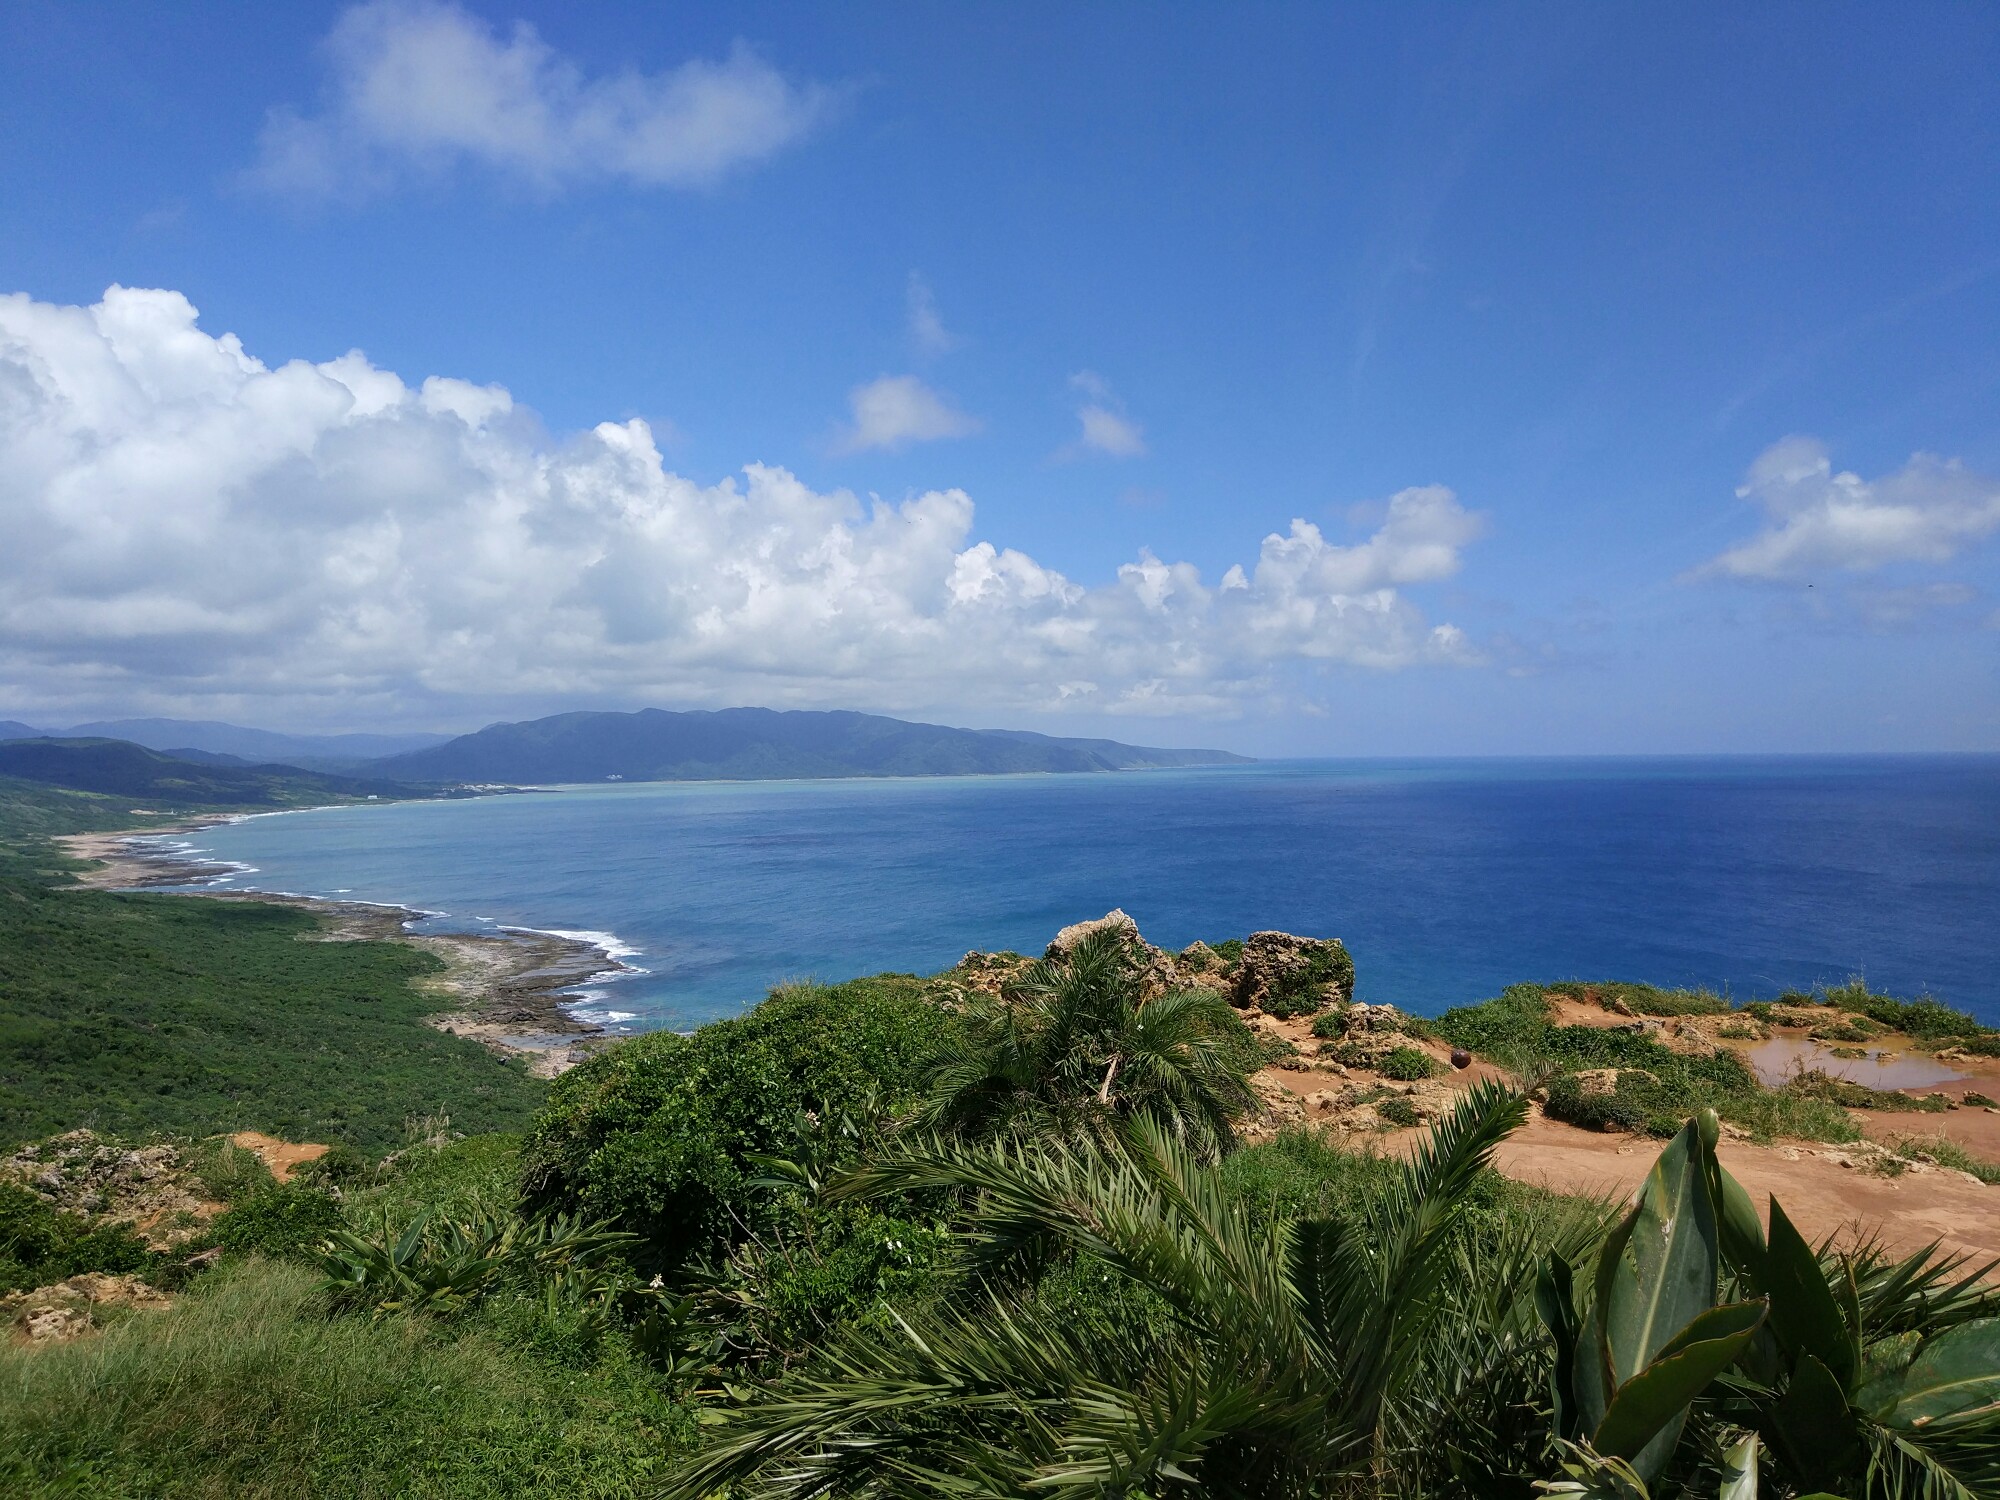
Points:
(1636, 370)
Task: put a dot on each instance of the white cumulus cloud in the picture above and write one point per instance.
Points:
(192, 530)
(897, 410)
(422, 85)
(1928, 511)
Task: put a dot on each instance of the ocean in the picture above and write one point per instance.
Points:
(1447, 879)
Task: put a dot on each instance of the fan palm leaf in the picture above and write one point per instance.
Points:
(1281, 1344)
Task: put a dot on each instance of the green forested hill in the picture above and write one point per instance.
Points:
(120, 768)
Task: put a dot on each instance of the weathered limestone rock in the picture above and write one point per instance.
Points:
(1285, 975)
(149, 1188)
(1154, 969)
(62, 1311)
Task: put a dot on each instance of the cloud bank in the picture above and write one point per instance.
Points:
(421, 86)
(188, 526)
(1928, 511)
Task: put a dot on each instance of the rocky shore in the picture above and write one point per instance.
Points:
(507, 990)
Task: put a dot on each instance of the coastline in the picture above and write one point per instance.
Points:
(509, 990)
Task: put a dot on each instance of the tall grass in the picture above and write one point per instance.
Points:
(249, 1389)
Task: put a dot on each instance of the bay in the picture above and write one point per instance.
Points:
(1447, 879)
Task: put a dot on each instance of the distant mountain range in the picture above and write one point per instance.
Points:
(757, 744)
(318, 752)
(734, 744)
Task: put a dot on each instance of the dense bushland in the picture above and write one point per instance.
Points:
(138, 1013)
(666, 1134)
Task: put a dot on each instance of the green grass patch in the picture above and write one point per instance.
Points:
(1657, 1088)
(248, 1388)
(1943, 1151)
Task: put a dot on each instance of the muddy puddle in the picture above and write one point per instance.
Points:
(1782, 1056)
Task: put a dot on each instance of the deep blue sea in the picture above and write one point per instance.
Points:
(1447, 879)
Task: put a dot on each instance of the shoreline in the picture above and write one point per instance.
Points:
(509, 990)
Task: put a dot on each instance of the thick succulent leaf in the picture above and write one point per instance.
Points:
(1739, 1470)
(1812, 1428)
(1594, 1378)
(1555, 1301)
(1672, 1255)
(1646, 1414)
(1804, 1313)
(1741, 1231)
(1954, 1382)
(1593, 1476)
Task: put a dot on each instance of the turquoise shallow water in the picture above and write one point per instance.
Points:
(1446, 879)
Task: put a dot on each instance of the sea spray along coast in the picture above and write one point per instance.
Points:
(1248, 753)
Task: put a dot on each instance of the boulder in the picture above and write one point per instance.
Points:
(1155, 970)
(1065, 941)
(1286, 975)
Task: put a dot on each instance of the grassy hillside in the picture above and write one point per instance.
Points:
(135, 1013)
(121, 769)
(31, 810)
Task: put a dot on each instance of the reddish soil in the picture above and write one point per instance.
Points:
(282, 1157)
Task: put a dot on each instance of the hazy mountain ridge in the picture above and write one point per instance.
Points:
(754, 744)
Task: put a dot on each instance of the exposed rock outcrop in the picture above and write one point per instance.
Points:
(66, 1309)
(1285, 975)
(148, 1187)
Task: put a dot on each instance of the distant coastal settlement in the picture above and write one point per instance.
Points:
(399, 1222)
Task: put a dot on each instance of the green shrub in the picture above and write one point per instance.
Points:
(1987, 1045)
(1568, 1102)
(1330, 1025)
(227, 1171)
(1509, 1028)
(1297, 1174)
(40, 1244)
(660, 1133)
(1923, 1018)
(1407, 1065)
(1763, 1010)
(1398, 1110)
(279, 1220)
(339, 1167)
(1304, 990)
(1974, 1097)
(1229, 950)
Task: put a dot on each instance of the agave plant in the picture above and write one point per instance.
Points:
(443, 1264)
(1276, 1367)
(1836, 1373)
(1071, 1046)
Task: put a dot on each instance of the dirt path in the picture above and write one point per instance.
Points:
(282, 1157)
